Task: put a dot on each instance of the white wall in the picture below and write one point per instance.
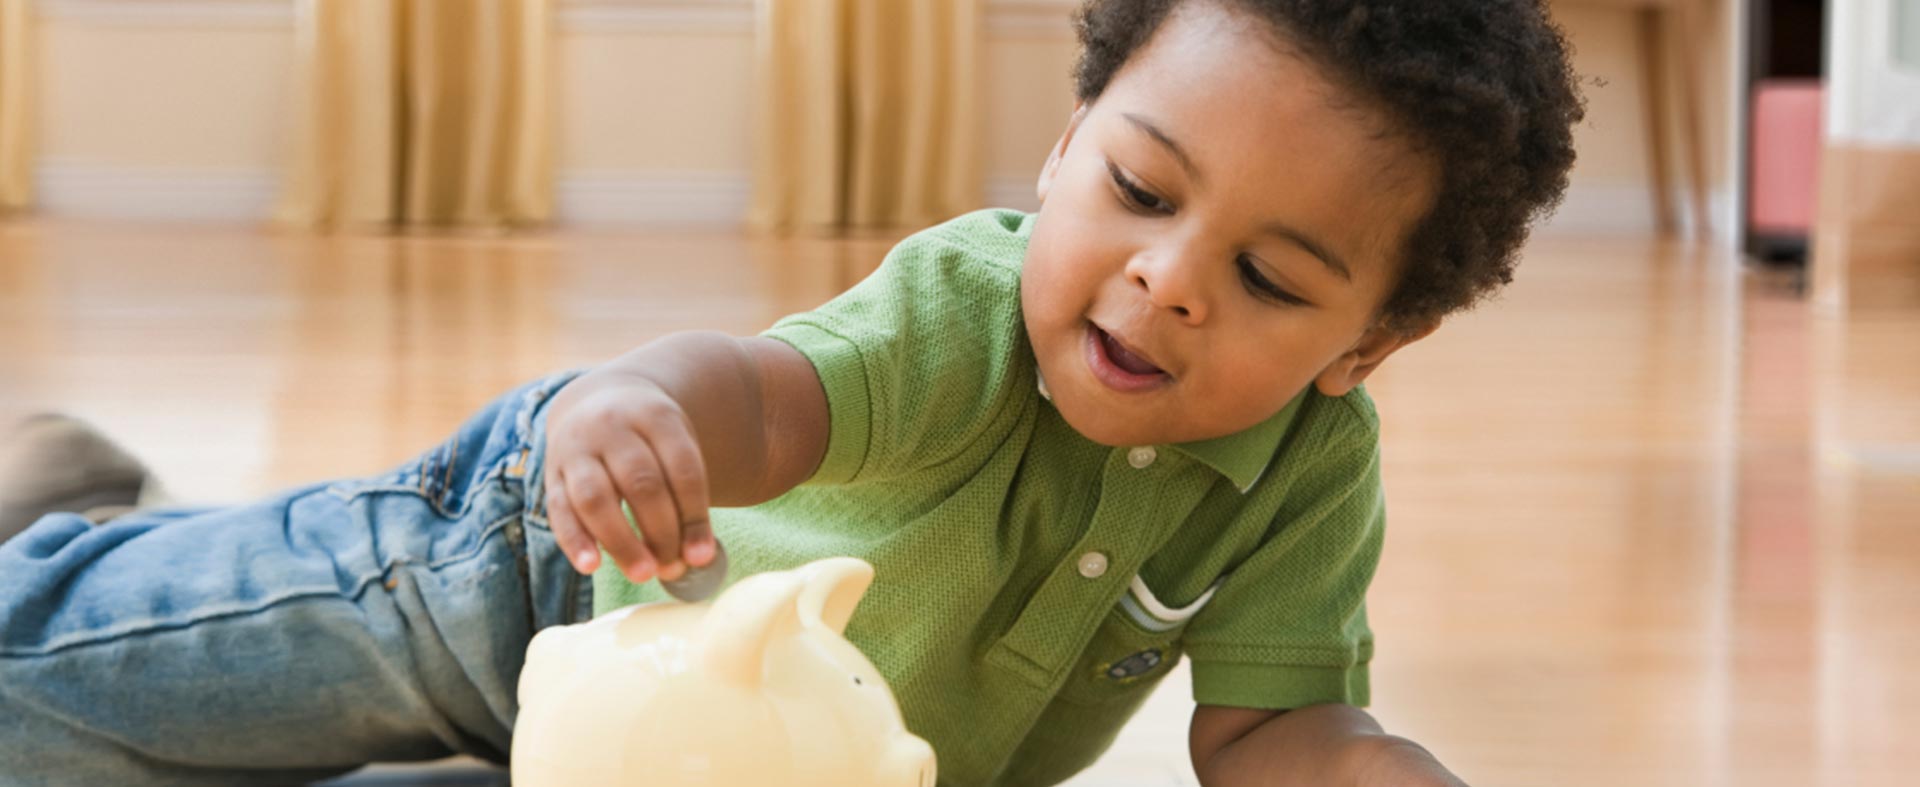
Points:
(1871, 98)
(1906, 47)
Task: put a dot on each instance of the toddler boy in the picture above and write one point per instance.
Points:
(1076, 445)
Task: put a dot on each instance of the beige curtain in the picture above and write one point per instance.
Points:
(1675, 37)
(868, 113)
(423, 112)
(16, 108)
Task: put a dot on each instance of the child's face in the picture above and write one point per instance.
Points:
(1217, 231)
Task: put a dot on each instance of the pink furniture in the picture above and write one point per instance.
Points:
(1786, 156)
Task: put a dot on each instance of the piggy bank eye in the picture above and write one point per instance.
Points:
(857, 681)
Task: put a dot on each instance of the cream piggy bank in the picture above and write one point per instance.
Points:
(757, 687)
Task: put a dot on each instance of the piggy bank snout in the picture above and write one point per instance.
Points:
(908, 762)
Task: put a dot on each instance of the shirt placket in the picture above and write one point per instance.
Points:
(1140, 506)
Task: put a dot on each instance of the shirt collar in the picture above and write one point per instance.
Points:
(1243, 457)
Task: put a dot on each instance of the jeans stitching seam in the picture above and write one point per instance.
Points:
(435, 501)
(354, 594)
(150, 626)
(495, 526)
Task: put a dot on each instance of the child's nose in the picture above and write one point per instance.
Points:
(1170, 283)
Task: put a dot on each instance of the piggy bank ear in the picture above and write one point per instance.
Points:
(744, 619)
(834, 587)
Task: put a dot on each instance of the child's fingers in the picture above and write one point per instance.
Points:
(598, 506)
(567, 531)
(642, 483)
(686, 473)
(696, 542)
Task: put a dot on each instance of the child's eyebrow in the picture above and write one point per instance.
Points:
(1326, 255)
(1277, 229)
(1147, 127)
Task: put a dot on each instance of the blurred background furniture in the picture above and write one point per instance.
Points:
(1783, 167)
(1784, 80)
(1866, 241)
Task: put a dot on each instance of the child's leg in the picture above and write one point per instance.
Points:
(292, 638)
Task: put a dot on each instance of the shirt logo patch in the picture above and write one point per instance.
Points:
(1133, 667)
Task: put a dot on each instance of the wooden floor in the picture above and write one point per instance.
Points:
(1654, 521)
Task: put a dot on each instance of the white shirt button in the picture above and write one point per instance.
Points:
(1142, 456)
(1092, 565)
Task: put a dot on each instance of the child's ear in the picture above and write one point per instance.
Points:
(1352, 368)
(1060, 150)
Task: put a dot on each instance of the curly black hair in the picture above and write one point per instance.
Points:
(1482, 87)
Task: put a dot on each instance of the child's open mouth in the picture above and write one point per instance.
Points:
(1118, 367)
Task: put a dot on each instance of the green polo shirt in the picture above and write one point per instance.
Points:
(1033, 586)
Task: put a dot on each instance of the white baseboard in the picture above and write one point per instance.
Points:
(1601, 210)
(656, 16)
(617, 16)
(1726, 212)
(195, 14)
(631, 199)
(1049, 18)
(1031, 18)
(82, 190)
(652, 199)
(1045, 18)
(1626, 209)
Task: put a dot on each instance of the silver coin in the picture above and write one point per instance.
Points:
(700, 582)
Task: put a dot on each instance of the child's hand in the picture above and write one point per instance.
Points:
(612, 437)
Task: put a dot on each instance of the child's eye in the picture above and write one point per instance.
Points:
(1138, 198)
(1260, 285)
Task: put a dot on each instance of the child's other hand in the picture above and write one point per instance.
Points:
(616, 437)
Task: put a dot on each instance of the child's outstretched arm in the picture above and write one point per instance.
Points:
(684, 422)
(1318, 745)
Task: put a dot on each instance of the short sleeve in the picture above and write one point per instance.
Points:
(920, 359)
(1288, 627)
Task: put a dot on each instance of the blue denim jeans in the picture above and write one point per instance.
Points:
(293, 638)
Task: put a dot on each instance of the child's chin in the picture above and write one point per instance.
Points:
(1110, 428)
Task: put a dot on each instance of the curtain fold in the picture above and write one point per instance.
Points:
(16, 105)
(868, 114)
(1671, 36)
(423, 113)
